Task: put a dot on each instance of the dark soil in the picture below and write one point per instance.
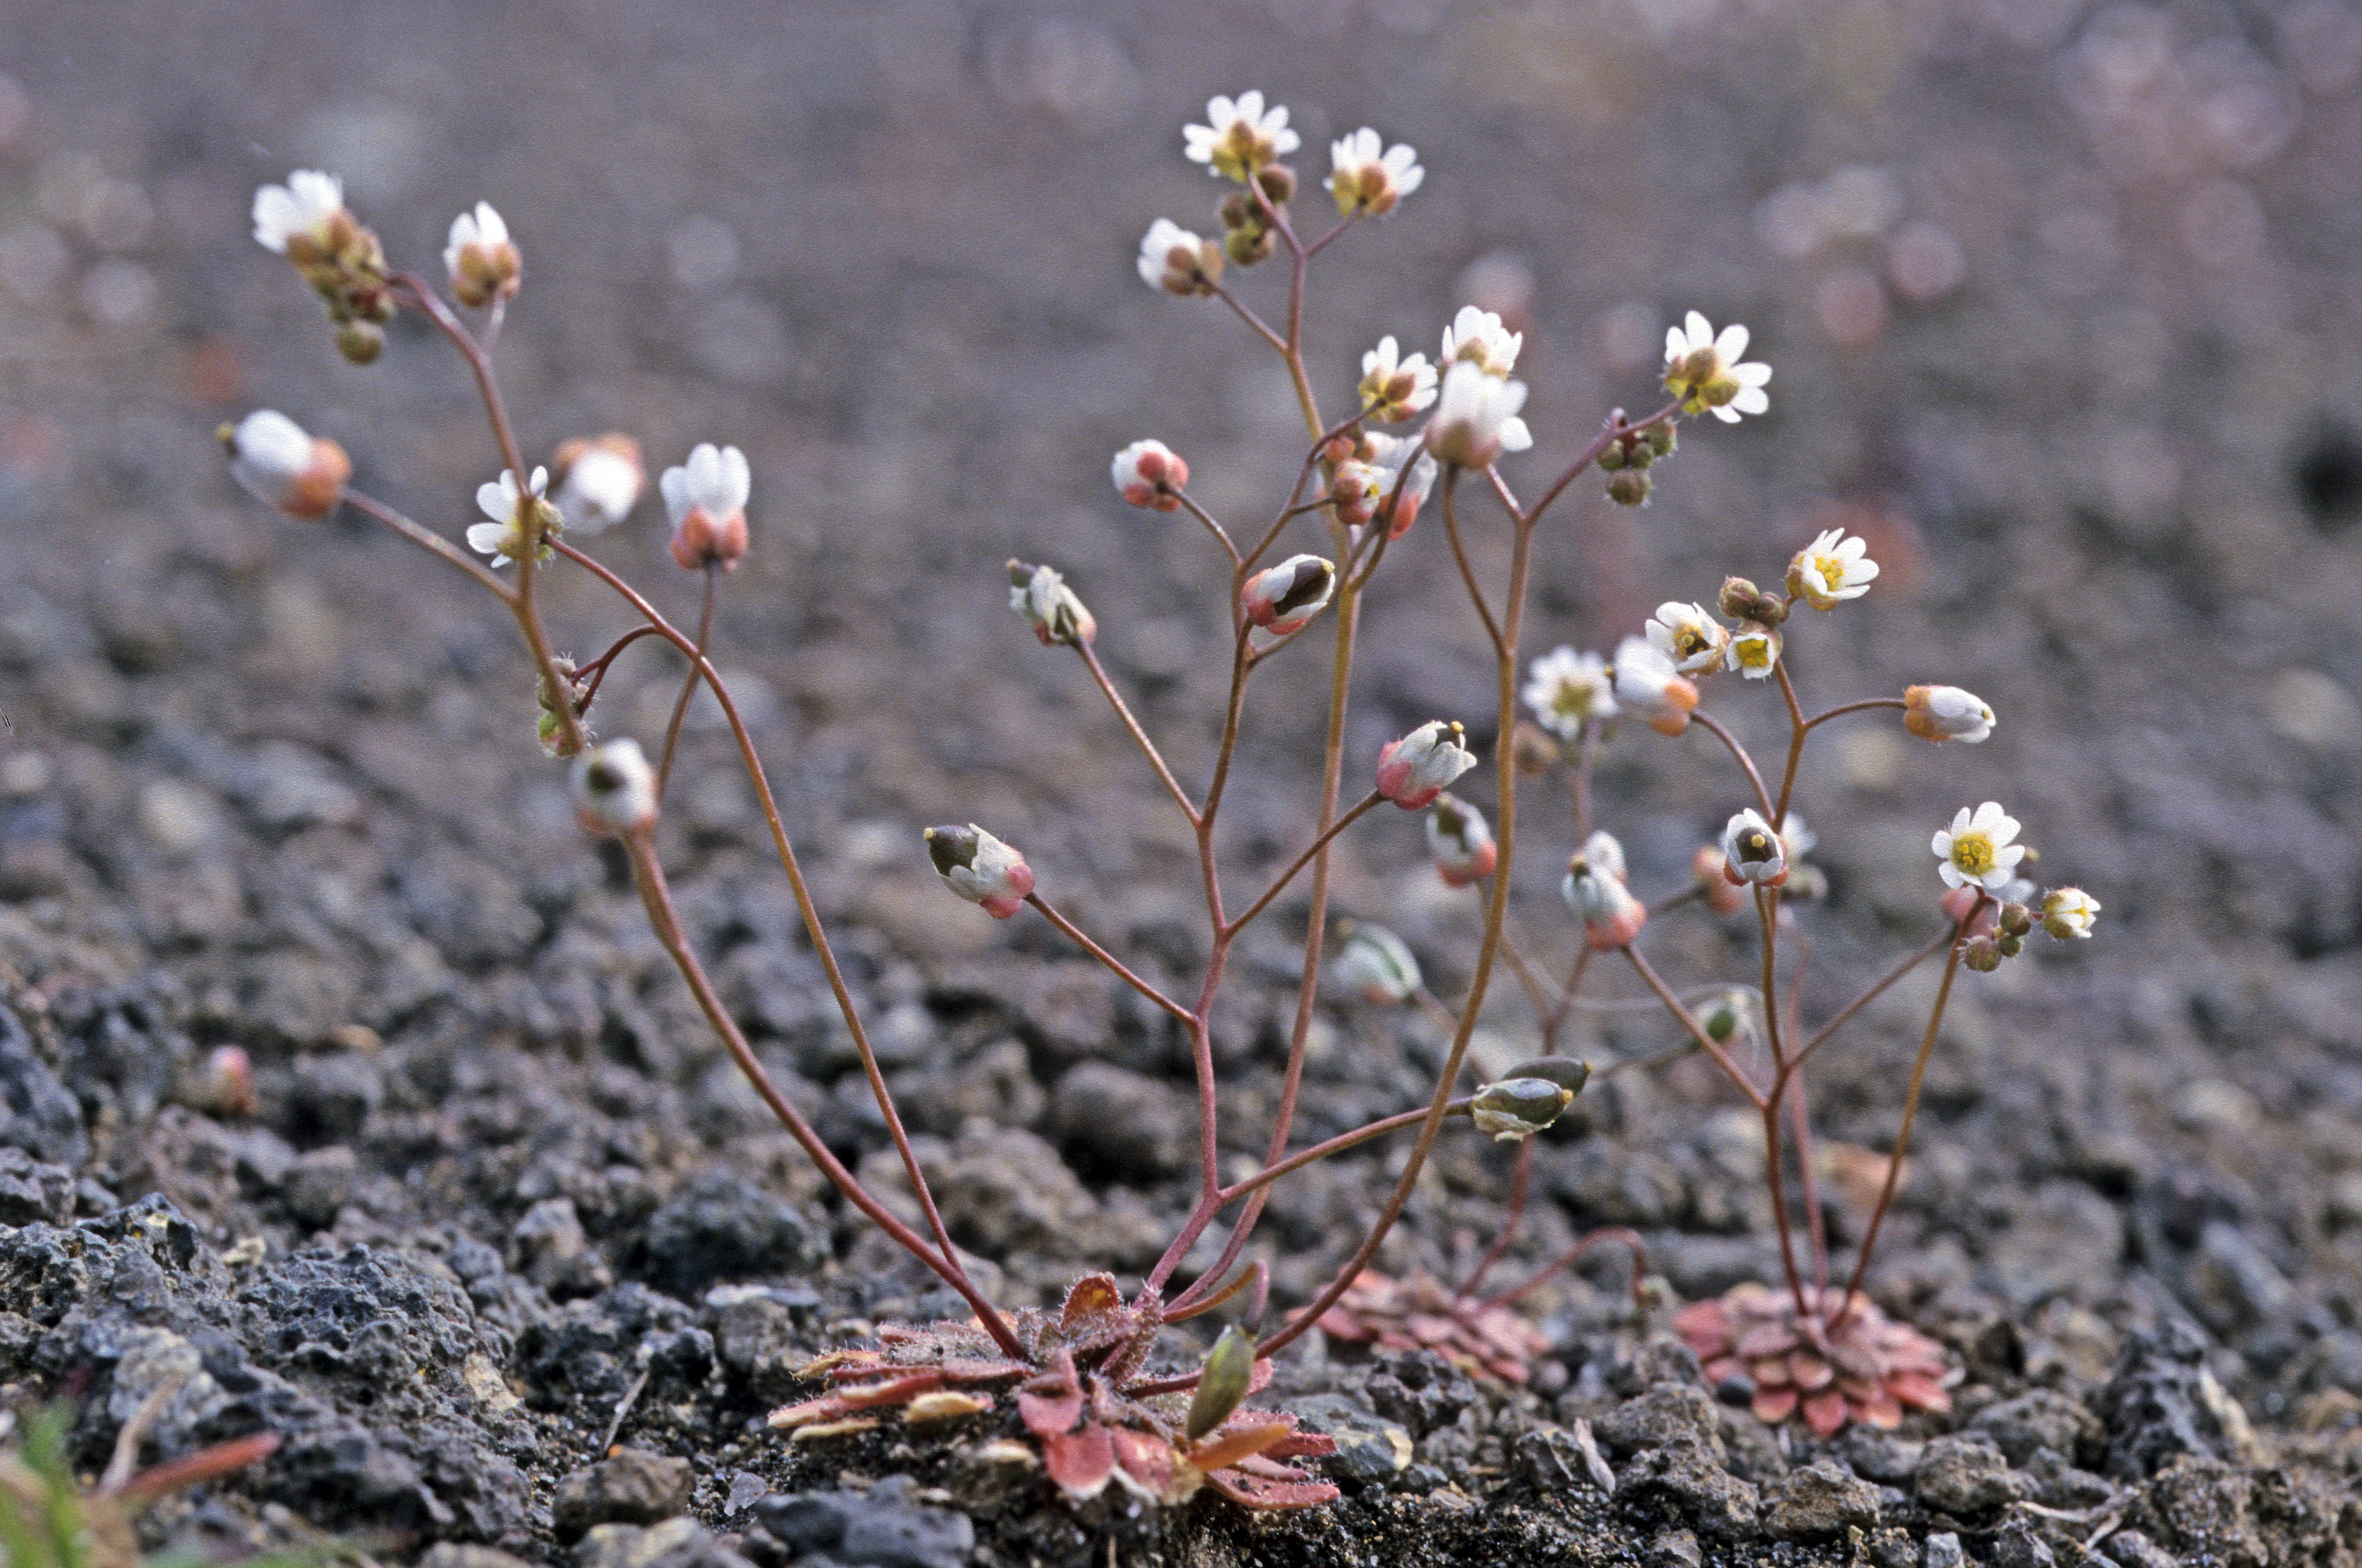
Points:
(503, 1204)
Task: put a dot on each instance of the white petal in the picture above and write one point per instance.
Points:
(1754, 373)
(1727, 414)
(485, 538)
(1942, 845)
(1701, 330)
(1751, 399)
(497, 501)
(1732, 344)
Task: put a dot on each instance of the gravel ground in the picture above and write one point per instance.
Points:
(2064, 318)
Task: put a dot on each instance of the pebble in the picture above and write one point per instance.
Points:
(631, 1486)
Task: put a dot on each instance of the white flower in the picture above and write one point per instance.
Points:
(502, 537)
(1058, 617)
(1394, 388)
(481, 263)
(1147, 473)
(1565, 688)
(1704, 372)
(2068, 912)
(1685, 634)
(1754, 649)
(281, 464)
(1831, 570)
(615, 788)
(1751, 852)
(1595, 890)
(705, 499)
(599, 481)
(1376, 963)
(1414, 770)
(1945, 712)
(1461, 841)
(1410, 490)
(980, 868)
(1179, 263)
(1240, 137)
(1476, 418)
(1363, 182)
(305, 208)
(1648, 684)
(1477, 337)
(1280, 599)
(1978, 850)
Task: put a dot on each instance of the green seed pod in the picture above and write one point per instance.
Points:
(360, 342)
(1723, 1022)
(1568, 1071)
(1278, 183)
(1629, 488)
(1660, 439)
(1230, 1367)
(1517, 1107)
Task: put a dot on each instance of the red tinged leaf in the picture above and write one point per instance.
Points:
(1080, 1463)
(894, 1391)
(1265, 1495)
(1920, 1393)
(1772, 1406)
(1147, 1458)
(1048, 1416)
(1237, 1441)
(975, 1369)
(1824, 1412)
(1090, 1303)
(827, 1408)
(1881, 1411)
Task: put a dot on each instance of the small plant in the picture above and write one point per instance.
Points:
(1082, 1380)
(50, 1520)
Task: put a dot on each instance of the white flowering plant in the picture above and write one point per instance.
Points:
(1080, 1377)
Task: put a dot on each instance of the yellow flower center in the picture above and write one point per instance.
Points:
(1832, 569)
(1690, 640)
(1972, 853)
(1755, 653)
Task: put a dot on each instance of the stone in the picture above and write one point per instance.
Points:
(1370, 1449)
(1819, 1500)
(2132, 1549)
(2019, 1546)
(1943, 1550)
(2162, 1404)
(1128, 1124)
(1684, 1477)
(676, 1543)
(549, 1247)
(38, 1113)
(460, 1554)
(720, 1226)
(33, 1189)
(2042, 1417)
(1667, 1413)
(756, 1339)
(1418, 1388)
(630, 1486)
(1966, 1476)
(878, 1530)
(1879, 1456)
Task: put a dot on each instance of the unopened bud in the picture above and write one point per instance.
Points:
(599, 481)
(1595, 890)
(1661, 438)
(1945, 712)
(980, 868)
(1461, 841)
(1569, 1073)
(706, 499)
(1414, 770)
(1379, 965)
(1982, 954)
(1245, 246)
(1282, 599)
(614, 789)
(1278, 183)
(282, 465)
(360, 342)
(1228, 1374)
(1150, 474)
(1517, 1108)
(2014, 919)
(1058, 618)
(483, 263)
(1629, 488)
(2068, 912)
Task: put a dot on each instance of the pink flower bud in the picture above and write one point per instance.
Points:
(1945, 712)
(980, 868)
(1147, 473)
(1461, 841)
(706, 499)
(1646, 684)
(1595, 890)
(282, 465)
(1413, 771)
(1282, 599)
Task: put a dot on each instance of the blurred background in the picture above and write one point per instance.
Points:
(2063, 310)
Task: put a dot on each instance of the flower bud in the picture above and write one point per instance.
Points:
(1646, 684)
(1179, 263)
(1414, 770)
(1742, 601)
(360, 342)
(282, 465)
(1475, 417)
(1278, 183)
(980, 868)
(1661, 438)
(1686, 634)
(1280, 599)
(1461, 841)
(1228, 1374)
(1517, 1108)
(599, 481)
(706, 499)
(1245, 246)
(1629, 488)
(1945, 712)
(1982, 954)
(1058, 618)
(1595, 890)
(2068, 912)
(1720, 894)
(1147, 473)
(1727, 1017)
(1394, 387)
(1379, 965)
(483, 263)
(614, 789)
(2012, 919)
(1752, 853)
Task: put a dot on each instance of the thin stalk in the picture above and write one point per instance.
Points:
(1537, 995)
(648, 874)
(1909, 962)
(1468, 571)
(1557, 1020)
(1910, 1113)
(1337, 1145)
(1261, 329)
(1590, 455)
(1707, 1042)
(1798, 730)
(1075, 934)
(1767, 911)
(1863, 706)
(1521, 1175)
(1280, 882)
(1816, 1224)
(434, 544)
(1221, 535)
(1148, 748)
(1762, 796)
(1611, 1233)
(689, 687)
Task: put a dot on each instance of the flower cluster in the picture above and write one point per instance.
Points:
(305, 221)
